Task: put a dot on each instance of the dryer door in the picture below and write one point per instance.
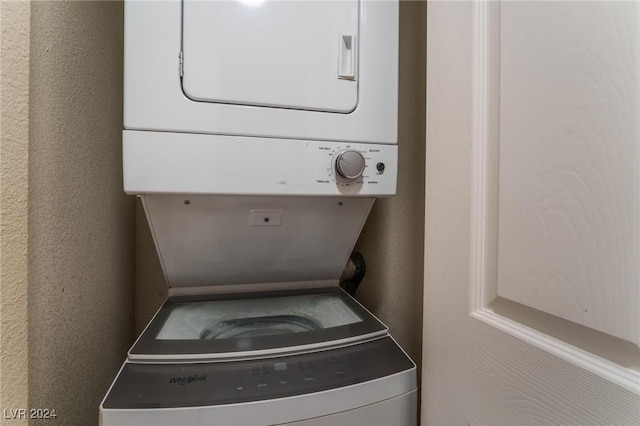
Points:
(284, 54)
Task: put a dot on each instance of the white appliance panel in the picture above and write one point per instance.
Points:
(154, 99)
(294, 54)
(225, 240)
(170, 163)
(398, 411)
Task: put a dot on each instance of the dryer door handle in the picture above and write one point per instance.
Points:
(347, 57)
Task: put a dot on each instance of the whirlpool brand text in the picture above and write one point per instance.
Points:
(187, 380)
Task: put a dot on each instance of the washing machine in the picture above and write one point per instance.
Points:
(256, 329)
(312, 357)
(258, 135)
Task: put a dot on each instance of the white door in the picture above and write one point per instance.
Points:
(532, 257)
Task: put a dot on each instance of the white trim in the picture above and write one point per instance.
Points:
(480, 239)
(608, 370)
(146, 359)
(262, 353)
(479, 149)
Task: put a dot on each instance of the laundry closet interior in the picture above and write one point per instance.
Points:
(92, 259)
(257, 157)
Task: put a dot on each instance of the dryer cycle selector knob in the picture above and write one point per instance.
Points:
(349, 164)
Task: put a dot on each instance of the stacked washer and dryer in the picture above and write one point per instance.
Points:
(258, 135)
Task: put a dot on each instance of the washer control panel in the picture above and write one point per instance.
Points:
(230, 382)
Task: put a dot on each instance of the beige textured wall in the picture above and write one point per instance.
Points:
(81, 225)
(392, 240)
(14, 162)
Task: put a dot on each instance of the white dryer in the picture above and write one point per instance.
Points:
(261, 97)
(258, 135)
(302, 69)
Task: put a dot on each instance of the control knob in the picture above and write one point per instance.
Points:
(349, 164)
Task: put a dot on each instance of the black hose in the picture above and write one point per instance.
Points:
(350, 285)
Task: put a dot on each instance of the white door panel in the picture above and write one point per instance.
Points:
(532, 276)
(569, 153)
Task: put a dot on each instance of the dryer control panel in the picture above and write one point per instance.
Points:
(233, 165)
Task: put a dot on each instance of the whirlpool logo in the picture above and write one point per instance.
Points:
(187, 380)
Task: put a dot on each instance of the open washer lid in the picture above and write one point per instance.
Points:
(213, 244)
(253, 276)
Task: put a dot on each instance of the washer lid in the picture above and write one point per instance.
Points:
(205, 242)
(294, 54)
